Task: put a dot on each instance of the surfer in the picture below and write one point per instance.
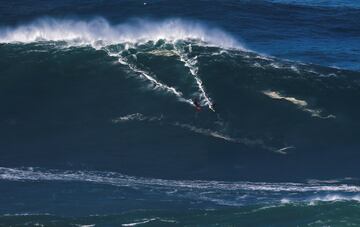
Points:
(197, 104)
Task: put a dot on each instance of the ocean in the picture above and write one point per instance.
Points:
(179, 113)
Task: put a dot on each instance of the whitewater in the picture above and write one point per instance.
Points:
(99, 32)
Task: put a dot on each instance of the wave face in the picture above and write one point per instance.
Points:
(173, 120)
(141, 79)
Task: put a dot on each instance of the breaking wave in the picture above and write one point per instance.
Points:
(99, 32)
(182, 62)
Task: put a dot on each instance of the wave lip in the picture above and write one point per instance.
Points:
(99, 31)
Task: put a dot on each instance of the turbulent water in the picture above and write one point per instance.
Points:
(99, 123)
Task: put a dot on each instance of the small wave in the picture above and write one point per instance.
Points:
(313, 200)
(99, 31)
(301, 104)
(139, 222)
(334, 198)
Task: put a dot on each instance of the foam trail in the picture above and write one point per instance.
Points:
(283, 150)
(137, 117)
(191, 65)
(99, 31)
(139, 222)
(299, 103)
(206, 132)
(151, 79)
(277, 95)
(218, 135)
(156, 83)
(202, 131)
(245, 141)
(141, 117)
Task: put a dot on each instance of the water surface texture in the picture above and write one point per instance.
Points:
(186, 113)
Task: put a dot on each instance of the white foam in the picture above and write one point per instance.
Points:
(277, 95)
(334, 198)
(99, 30)
(285, 201)
(219, 135)
(301, 104)
(166, 53)
(226, 193)
(137, 117)
(207, 132)
(139, 222)
(257, 65)
(26, 214)
(284, 149)
(329, 181)
(295, 69)
(120, 180)
(275, 65)
(144, 221)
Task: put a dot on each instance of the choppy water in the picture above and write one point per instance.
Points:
(99, 123)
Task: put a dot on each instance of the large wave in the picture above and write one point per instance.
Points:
(189, 61)
(99, 31)
(100, 34)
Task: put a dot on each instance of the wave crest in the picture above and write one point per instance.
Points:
(99, 31)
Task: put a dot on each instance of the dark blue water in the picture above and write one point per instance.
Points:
(186, 113)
